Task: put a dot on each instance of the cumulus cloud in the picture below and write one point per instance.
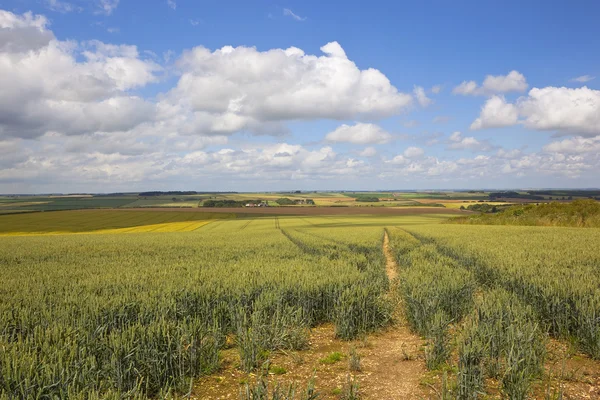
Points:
(563, 110)
(280, 163)
(413, 152)
(19, 33)
(359, 133)
(436, 89)
(172, 4)
(567, 111)
(78, 88)
(421, 96)
(368, 152)
(583, 78)
(466, 88)
(242, 88)
(496, 113)
(459, 142)
(47, 87)
(514, 81)
(576, 145)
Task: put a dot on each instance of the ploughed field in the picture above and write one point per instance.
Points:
(154, 304)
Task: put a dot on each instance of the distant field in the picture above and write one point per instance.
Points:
(300, 210)
(163, 203)
(64, 203)
(105, 221)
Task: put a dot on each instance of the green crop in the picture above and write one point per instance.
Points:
(143, 315)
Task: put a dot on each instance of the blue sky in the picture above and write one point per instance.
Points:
(104, 95)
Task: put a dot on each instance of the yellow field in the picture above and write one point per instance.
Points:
(105, 221)
(468, 203)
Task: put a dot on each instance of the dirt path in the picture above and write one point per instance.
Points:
(391, 268)
(392, 362)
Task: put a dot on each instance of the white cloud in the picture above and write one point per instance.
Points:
(466, 88)
(60, 6)
(413, 152)
(411, 124)
(194, 22)
(436, 89)
(514, 81)
(172, 4)
(113, 30)
(359, 134)
(232, 89)
(583, 78)
(398, 160)
(368, 152)
(46, 88)
(459, 142)
(9, 20)
(567, 111)
(106, 7)
(289, 13)
(19, 33)
(279, 163)
(576, 145)
(422, 98)
(496, 113)
(409, 158)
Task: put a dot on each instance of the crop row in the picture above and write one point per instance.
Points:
(113, 316)
(498, 336)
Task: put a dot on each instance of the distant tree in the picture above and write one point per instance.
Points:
(284, 201)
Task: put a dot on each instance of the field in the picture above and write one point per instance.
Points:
(184, 200)
(375, 302)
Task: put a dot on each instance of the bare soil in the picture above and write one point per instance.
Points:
(391, 367)
(390, 263)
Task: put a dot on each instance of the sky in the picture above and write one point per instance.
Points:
(128, 95)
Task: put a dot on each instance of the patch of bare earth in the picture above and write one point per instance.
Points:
(391, 367)
(392, 363)
(574, 374)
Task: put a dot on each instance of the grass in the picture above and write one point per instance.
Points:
(579, 213)
(332, 358)
(277, 370)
